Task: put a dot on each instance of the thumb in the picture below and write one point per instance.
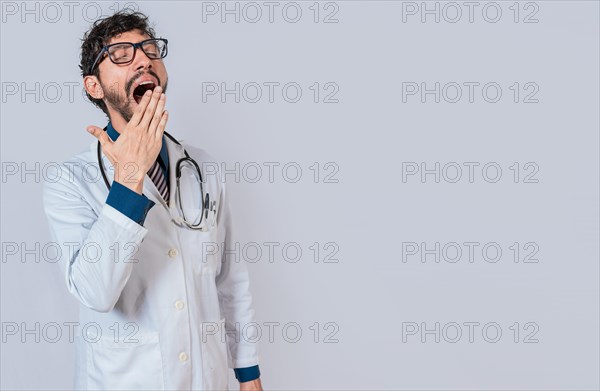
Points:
(100, 134)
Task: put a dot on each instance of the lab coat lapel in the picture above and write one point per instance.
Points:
(175, 152)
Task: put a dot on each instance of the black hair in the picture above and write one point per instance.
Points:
(100, 34)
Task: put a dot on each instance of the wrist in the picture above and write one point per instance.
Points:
(136, 185)
(252, 385)
(130, 176)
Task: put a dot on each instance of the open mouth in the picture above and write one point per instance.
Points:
(141, 89)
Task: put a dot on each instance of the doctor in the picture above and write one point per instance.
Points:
(159, 308)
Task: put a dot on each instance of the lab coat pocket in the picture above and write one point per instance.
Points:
(214, 355)
(206, 250)
(134, 363)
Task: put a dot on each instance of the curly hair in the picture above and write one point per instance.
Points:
(100, 34)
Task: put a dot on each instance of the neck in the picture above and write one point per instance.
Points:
(118, 122)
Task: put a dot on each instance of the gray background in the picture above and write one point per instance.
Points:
(369, 293)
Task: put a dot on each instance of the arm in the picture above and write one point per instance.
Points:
(96, 250)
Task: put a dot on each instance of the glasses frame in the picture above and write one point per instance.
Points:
(97, 61)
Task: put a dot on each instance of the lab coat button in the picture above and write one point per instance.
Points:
(183, 356)
(179, 304)
(173, 253)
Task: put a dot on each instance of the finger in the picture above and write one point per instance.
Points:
(160, 108)
(160, 129)
(100, 134)
(149, 112)
(141, 108)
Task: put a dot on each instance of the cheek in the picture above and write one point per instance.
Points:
(161, 71)
(113, 86)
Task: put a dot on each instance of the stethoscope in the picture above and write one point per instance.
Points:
(207, 206)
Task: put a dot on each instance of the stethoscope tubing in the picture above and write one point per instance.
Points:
(205, 200)
(178, 171)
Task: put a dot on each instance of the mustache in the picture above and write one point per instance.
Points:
(133, 79)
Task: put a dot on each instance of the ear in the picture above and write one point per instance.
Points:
(93, 87)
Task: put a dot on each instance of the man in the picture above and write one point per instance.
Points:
(157, 310)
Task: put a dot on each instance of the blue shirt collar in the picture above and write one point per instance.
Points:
(164, 155)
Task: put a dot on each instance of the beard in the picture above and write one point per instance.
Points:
(121, 100)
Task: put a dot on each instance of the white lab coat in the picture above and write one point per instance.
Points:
(153, 298)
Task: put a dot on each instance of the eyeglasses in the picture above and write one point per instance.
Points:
(124, 52)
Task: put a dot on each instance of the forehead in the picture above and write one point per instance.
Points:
(134, 36)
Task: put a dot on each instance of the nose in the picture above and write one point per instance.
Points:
(141, 60)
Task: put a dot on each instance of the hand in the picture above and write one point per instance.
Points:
(137, 147)
(252, 385)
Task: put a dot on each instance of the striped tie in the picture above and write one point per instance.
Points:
(155, 173)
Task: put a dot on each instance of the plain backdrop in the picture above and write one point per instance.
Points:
(359, 308)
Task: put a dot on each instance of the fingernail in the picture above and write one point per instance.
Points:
(148, 92)
(90, 130)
